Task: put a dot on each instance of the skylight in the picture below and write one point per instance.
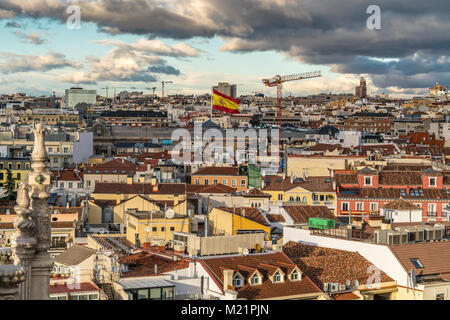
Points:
(417, 264)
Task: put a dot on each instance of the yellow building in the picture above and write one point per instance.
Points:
(19, 169)
(314, 191)
(155, 228)
(50, 118)
(233, 221)
(110, 201)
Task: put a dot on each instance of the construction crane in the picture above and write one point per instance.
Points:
(107, 91)
(115, 92)
(277, 81)
(154, 89)
(163, 85)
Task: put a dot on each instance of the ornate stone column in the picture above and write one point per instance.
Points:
(39, 182)
(23, 243)
(10, 278)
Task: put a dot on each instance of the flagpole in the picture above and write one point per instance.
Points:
(212, 103)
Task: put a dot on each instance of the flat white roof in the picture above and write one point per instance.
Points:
(142, 283)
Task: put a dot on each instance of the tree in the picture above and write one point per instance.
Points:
(10, 186)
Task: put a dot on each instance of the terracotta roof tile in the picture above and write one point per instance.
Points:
(301, 214)
(330, 265)
(267, 289)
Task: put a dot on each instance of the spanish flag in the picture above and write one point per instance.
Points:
(225, 103)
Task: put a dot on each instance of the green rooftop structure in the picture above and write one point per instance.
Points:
(321, 223)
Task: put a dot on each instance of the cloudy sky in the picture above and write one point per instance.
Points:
(135, 44)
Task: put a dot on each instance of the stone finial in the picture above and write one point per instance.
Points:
(39, 154)
(23, 221)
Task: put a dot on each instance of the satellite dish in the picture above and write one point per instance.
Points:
(245, 252)
(170, 214)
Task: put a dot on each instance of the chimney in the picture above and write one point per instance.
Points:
(68, 204)
(292, 179)
(156, 269)
(227, 279)
(243, 212)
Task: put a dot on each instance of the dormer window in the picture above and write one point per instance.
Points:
(277, 277)
(367, 181)
(255, 280)
(295, 275)
(238, 281)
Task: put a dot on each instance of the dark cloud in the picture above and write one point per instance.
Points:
(13, 24)
(325, 32)
(169, 70)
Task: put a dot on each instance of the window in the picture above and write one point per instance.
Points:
(291, 199)
(88, 183)
(66, 150)
(197, 181)
(142, 294)
(322, 198)
(80, 185)
(345, 206)
(432, 210)
(374, 207)
(280, 197)
(277, 277)
(1, 165)
(298, 199)
(154, 229)
(206, 182)
(432, 182)
(163, 229)
(417, 264)
(233, 183)
(155, 293)
(10, 166)
(224, 182)
(367, 181)
(295, 275)
(216, 181)
(304, 199)
(18, 166)
(255, 280)
(55, 160)
(172, 228)
(243, 183)
(237, 281)
(359, 206)
(70, 184)
(61, 184)
(19, 176)
(50, 149)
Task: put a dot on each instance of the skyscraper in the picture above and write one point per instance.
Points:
(361, 90)
(227, 89)
(75, 96)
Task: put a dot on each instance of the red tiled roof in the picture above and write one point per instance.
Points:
(301, 214)
(143, 264)
(217, 171)
(275, 217)
(400, 204)
(118, 165)
(79, 287)
(263, 263)
(434, 256)
(212, 188)
(139, 188)
(330, 265)
(66, 175)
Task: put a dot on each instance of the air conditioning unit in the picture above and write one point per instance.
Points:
(326, 286)
(342, 287)
(334, 287)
